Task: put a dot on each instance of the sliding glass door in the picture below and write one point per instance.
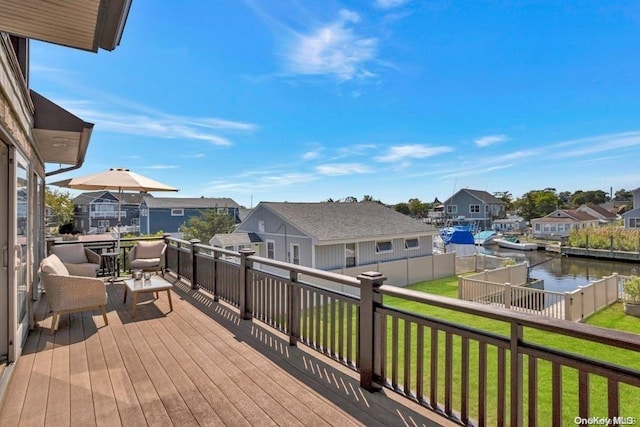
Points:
(4, 255)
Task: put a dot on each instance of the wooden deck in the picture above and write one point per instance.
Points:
(197, 365)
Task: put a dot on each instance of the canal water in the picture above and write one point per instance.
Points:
(563, 273)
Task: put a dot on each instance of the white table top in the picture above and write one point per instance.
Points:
(155, 283)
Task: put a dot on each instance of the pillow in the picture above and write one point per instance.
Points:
(146, 250)
(70, 254)
(53, 265)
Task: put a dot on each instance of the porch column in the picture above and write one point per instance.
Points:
(369, 328)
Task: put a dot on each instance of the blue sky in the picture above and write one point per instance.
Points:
(274, 100)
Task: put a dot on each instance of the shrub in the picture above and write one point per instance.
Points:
(631, 289)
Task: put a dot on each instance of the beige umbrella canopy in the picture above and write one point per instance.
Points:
(120, 179)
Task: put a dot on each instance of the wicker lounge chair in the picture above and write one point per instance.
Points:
(79, 260)
(69, 294)
(148, 256)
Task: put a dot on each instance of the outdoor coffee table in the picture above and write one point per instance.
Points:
(141, 286)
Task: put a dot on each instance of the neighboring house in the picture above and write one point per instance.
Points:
(605, 216)
(168, 214)
(510, 224)
(560, 222)
(474, 206)
(237, 241)
(331, 236)
(632, 217)
(97, 211)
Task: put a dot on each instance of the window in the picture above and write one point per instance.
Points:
(382, 247)
(135, 221)
(177, 212)
(411, 244)
(350, 254)
(487, 208)
(474, 208)
(295, 254)
(634, 222)
(271, 249)
(452, 209)
(103, 223)
(261, 226)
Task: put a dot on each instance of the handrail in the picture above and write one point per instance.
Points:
(597, 334)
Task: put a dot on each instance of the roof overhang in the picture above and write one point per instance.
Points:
(62, 137)
(83, 24)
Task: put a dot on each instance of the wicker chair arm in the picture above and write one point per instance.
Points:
(92, 256)
(81, 270)
(72, 292)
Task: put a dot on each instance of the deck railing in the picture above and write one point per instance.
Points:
(500, 371)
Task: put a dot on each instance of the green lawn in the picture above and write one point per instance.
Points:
(630, 398)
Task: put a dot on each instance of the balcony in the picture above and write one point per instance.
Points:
(107, 214)
(257, 341)
(198, 365)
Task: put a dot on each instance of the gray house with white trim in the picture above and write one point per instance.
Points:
(474, 207)
(632, 217)
(330, 236)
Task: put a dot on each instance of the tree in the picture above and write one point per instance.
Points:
(367, 198)
(506, 197)
(623, 194)
(565, 199)
(403, 207)
(537, 203)
(207, 225)
(61, 205)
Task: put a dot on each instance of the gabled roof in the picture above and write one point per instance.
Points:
(189, 202)
(236, 239)
(566, 215)
(481, 195)
(127, 198)
(348, 221)
(605, 213)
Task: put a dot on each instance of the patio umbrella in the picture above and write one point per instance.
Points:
(120, 179)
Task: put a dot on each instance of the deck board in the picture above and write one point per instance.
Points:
(196, 365)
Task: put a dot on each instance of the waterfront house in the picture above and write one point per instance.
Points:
(474, 207)
(331, 236)
(560, 222)
(632, 217)
(168, 214)
(510, 224)
(38, 138)
(97, 211)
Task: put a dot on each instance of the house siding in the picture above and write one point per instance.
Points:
(330, 257)
(463, 200)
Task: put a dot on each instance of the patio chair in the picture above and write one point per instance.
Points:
(148, 256)
(77, 259)
(67, 293)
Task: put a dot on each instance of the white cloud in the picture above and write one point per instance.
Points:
(333, 49)
(310, 155)
(485, 141)
(415, 151)
(389, 4)
(261, 183)
(192, 156)
(338, 169)
(355, 150)
(119, 115)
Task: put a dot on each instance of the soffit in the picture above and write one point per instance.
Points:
(82, 24)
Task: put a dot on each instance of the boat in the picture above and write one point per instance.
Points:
(515, 243)
(458, 239)
(485, 237)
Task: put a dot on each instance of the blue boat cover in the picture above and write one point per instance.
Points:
(457, 235)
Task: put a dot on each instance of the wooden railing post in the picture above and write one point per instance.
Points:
(293, 315)
(516, 375)
(216, 257)
(245, 285)
(369, 299)
(194, 263)
(507, 295)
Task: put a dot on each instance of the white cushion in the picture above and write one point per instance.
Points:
(70, 254)
(146, 250)
(53, 265)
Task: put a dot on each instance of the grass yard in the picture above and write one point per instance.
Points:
(613, 318)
